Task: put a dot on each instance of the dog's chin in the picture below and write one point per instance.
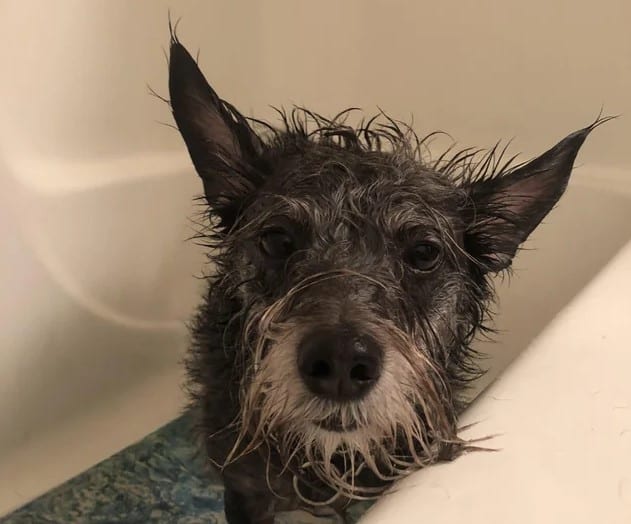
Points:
(333, 424)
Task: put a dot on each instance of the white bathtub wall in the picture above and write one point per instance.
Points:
(95, 194)
(478, 69)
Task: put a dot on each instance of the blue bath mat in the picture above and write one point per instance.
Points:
(156, 480)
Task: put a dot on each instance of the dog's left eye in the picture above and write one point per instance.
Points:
(424, 256)
(277, 244)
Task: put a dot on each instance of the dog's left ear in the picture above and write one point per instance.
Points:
(221, 144)
(502, 211)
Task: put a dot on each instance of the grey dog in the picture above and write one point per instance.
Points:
(333, 345)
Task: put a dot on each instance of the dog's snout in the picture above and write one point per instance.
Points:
(338, 364)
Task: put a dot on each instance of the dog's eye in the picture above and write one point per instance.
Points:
(424, 256)
(276, 243)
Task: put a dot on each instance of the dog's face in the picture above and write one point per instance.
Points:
(362, 274)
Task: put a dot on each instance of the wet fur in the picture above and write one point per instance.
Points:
(356, 197)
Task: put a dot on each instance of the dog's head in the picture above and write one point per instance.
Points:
(361, 272)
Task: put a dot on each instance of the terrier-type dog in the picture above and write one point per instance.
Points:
(351, 274)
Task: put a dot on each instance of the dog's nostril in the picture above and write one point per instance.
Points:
(320, 369)
(361, 373)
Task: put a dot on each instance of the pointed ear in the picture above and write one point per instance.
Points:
(221, 144)
(503, 210)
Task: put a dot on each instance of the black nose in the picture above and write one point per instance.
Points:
(337, 364)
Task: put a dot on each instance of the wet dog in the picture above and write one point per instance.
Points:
(351, 275)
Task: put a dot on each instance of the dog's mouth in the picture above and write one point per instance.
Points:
(334, 424)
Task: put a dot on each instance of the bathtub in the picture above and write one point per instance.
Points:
(112, 373)
(92, 366)
(96, 206)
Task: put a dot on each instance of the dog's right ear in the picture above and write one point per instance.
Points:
(221, 144)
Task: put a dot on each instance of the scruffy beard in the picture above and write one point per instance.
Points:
(404, 423)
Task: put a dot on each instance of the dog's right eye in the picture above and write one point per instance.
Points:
(277, 244)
